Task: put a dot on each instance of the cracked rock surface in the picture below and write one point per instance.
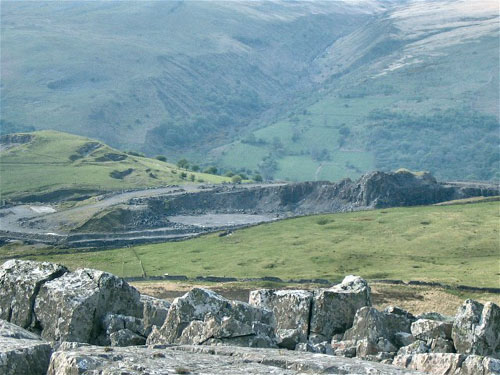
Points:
(207, 360)
(22, 352)
(20, 282)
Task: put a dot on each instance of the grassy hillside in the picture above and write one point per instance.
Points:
(292, 90)
(53, 161)
(457, 244)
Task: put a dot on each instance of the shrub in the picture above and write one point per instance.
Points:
(211, 170)
(183, 163)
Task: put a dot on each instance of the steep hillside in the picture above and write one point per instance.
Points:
(50, 164)
(293, 90)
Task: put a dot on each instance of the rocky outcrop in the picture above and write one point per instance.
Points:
(154, 312)
(312, 318)
(123, 330)
(12, 331)
(333, 309)
(208, 360)
(291, 309)
(22, 352)
(449, 364)
(371, 324)
(73, 306)
(20, 282)
(203, 317)
(426, 329)
(373, 190)
(476, 329)
(89, 306)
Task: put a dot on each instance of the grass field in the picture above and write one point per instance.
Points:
(457, 244)
(54, 160)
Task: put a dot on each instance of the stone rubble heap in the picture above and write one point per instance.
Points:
(57, 322)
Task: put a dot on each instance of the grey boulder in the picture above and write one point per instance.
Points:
(291, 310)
(333, 309)
(154, 312)
(449, 364)
(126, 337)
(432, 363)
(11, 330)
(476, 329)
(479, 365)
(22, 352)
(204, 317)
(20, 282)
(426, 329)
(73, 306)
(371, 324)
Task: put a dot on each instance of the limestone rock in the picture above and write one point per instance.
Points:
(369, 323)
(476, 329)
(115, 322)
(154, 312)
(73, 306)
(432, 363)
(11, 330)
(399, 311)
(368, 347)
(436, 316)
(333, 309)
(346, 348)
(125, 337)
(208, 360)
(479, 365)
(20, 281)
(291, 310)
(426, 329)
(403, 339)
(204, 317)
(416, 347)
(23, 356)
(322, 347)
(440, 345)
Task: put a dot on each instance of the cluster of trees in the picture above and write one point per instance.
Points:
(237, 177)
(453, 144)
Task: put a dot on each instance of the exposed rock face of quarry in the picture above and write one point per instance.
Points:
(373, 190)
(170, 213)
(91, 322)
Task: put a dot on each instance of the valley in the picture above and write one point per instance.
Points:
(365, 85)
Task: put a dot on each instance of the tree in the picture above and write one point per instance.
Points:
(195, 168)
(236, 179)
(183, 175)
(211, 170)
(257, 178)
(183, 163)
(161, 158)
(192, 177)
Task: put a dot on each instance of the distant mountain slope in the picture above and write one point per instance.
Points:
(173, 74)
(414, 87)
(294, 90)
(50, 164)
